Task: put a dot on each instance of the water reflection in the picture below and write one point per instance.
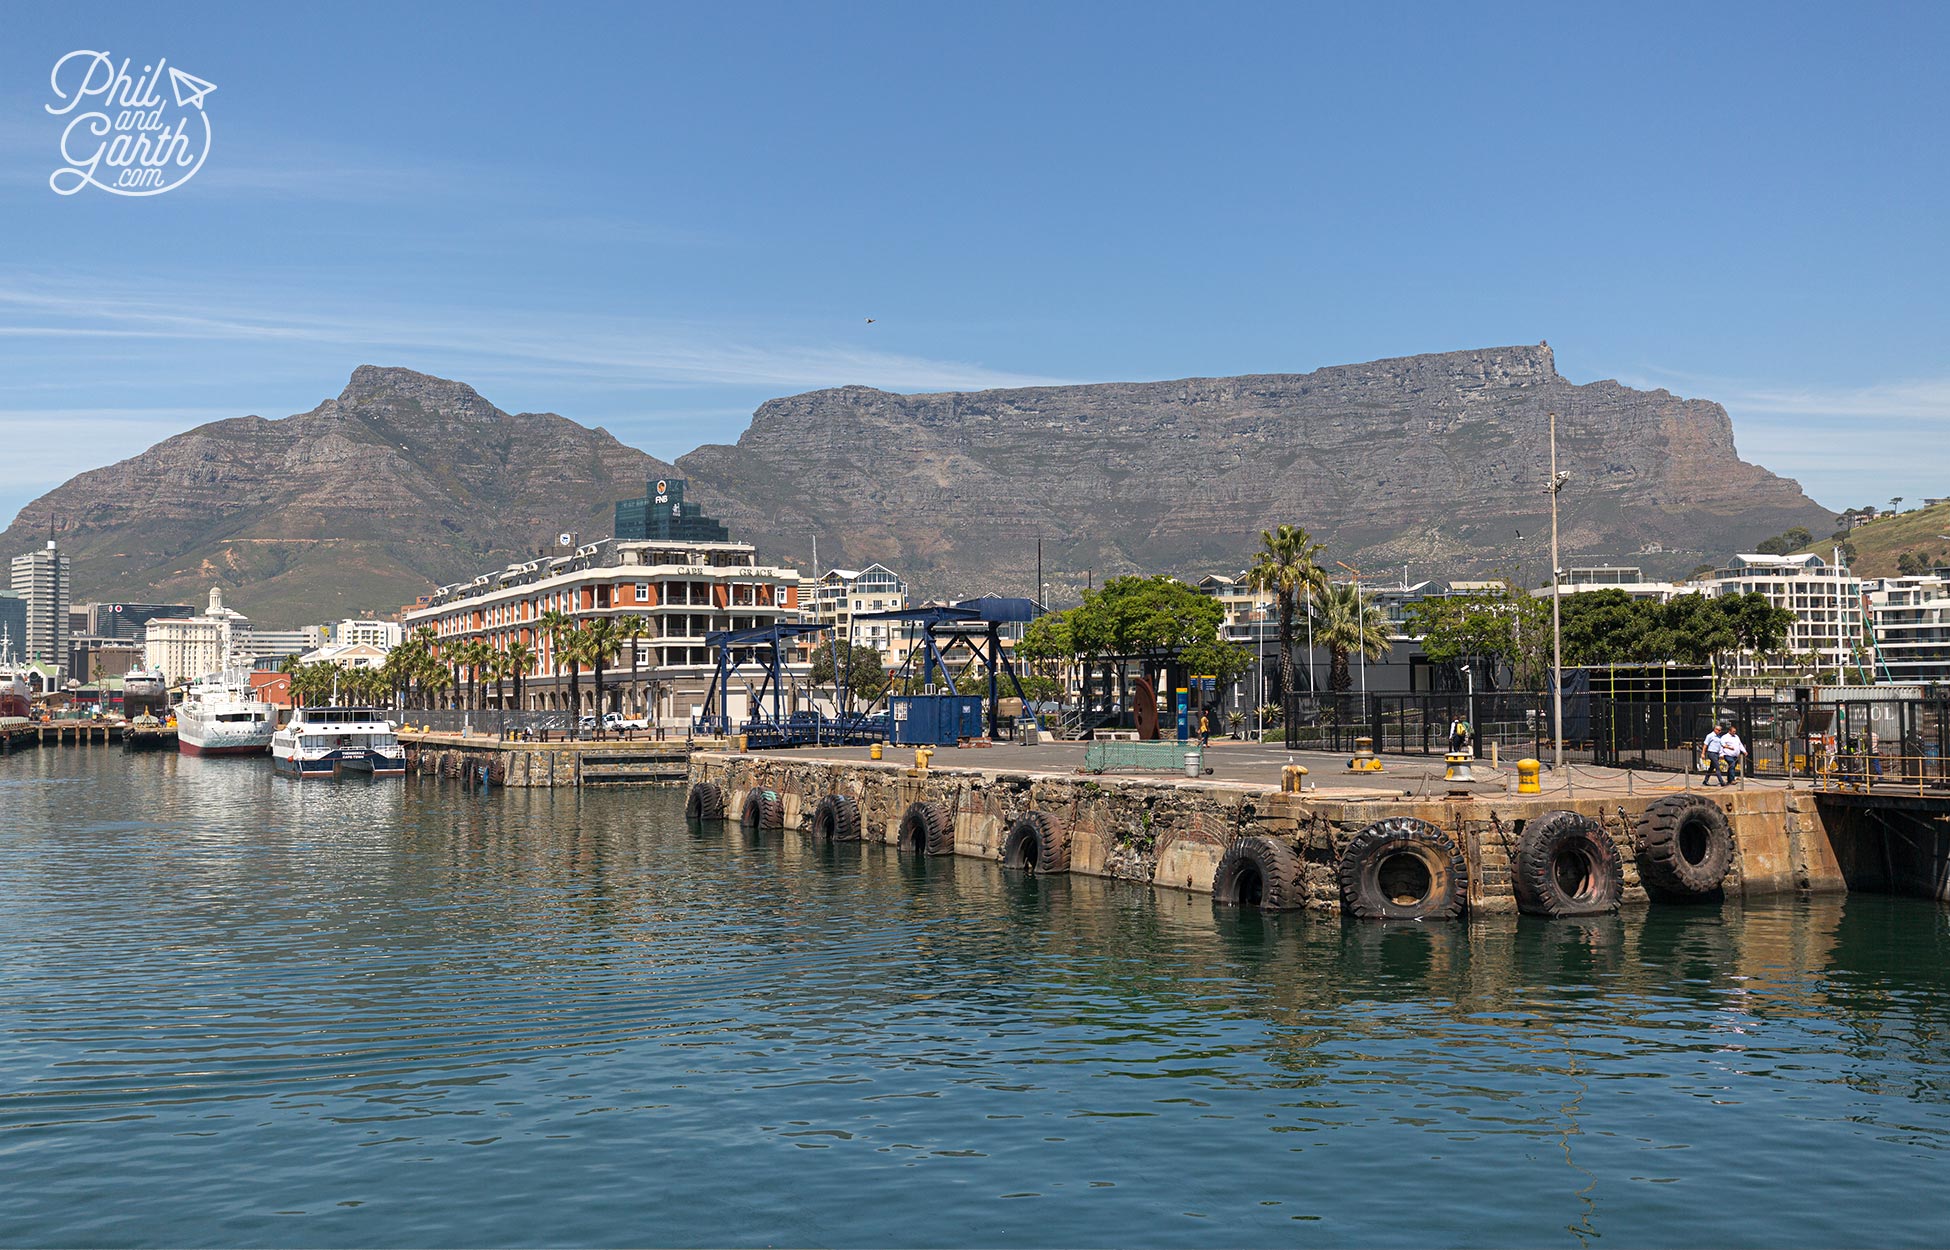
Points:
(421, 1013)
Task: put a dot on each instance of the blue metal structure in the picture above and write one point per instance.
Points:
(974, 624)
(766, 646)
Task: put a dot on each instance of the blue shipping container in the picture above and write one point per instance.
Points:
(935, 719)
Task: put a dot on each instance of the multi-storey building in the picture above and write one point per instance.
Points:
(42, 579)
(1826, 601)
(127, 620)
(841, 593)
(276, 644)
(364, 630)
(184, 650)
(13, 627)
(680, 591)
(1910, 617)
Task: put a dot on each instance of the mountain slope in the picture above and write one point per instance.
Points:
(1879, 544)
(1437, 461)
(402, 482)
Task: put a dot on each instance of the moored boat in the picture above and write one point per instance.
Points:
(218, 716)
(331, 741)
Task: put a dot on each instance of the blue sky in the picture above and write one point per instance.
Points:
(653, 218)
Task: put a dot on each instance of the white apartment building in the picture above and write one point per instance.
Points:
(1826, 601)
(185, 649)
(43, 579)
(840, 593)
(346, 655)
(1910, 617)
(276, 644)
(682, 591)
(364, 630)
(1619, 577)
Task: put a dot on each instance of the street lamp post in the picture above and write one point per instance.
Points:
(1259, 679)
(1557, 614)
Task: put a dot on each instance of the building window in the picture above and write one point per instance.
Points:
(643, 592)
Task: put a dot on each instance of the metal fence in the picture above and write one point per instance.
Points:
(514, 723)
(1418, 724)
(1167, 756)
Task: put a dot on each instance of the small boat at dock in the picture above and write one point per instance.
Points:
(332, 741)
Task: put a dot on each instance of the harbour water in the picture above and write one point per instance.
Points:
(241, 1010)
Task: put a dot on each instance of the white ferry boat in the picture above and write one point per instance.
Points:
(331, 741)
(219, 716)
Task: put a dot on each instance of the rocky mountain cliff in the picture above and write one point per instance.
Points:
(1437, 461)
(406, 481)
(403, 482)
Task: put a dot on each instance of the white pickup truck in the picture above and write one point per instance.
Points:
(615, 722)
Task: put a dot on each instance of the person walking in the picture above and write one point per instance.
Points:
(1715, 739)
(1459, 734)
(1731, 749)
(1204, 730)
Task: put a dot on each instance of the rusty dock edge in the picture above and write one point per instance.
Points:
(1172, 833)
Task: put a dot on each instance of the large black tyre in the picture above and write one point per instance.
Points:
(836, 819)
(704, 802)
(1038, 842)
(1402, 869)
(926, 829)
(762, 810)
(1260, 872)
(1685, 847)
(1565, 865)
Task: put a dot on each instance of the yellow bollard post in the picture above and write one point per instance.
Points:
(1528, 774)
(875, 751)
(1293, 778)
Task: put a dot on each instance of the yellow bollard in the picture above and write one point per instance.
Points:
(875, 752)
(1457, 767)
(1527, 776)
(1293, 778)
(922, 756)
(1365, 760)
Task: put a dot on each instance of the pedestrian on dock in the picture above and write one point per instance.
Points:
(1731, 749)
(1204, 730)
(1715, 739)
(1459, 733)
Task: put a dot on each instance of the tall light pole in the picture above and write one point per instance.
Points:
(1259, 679)
(1360, 631)
(1557, 615)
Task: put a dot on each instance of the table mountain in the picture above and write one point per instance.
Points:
(403, 482)
(406, 481)
(1435, 461)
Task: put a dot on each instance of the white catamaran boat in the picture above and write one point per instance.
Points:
(331, 741)
(219, 716)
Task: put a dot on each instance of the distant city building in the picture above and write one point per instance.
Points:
(1826, 601)
(276, 644)
(683, 589)
(187, 649)
(382, 634)
(346, 655)
(663, 516)
(127, 620)
(94, 659)
(13, 627)
(43, 578)
(1620, 577)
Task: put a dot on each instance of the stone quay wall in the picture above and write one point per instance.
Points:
(1172, 833)
(532, 765)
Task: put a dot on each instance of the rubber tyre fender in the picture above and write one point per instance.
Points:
(926, 829)
(704, 802)
(1260, 872)
(762, 810)
(1685, 847)
(836, 819)
(1566, 865)
(1374, 883)
(1037, 841)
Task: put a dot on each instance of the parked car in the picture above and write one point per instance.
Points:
(616, 721)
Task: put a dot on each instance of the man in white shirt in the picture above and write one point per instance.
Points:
(1715, 739)
(1731, 749)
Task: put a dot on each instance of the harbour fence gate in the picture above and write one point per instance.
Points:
(1418, 723)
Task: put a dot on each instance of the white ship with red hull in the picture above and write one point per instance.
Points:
(219, 716)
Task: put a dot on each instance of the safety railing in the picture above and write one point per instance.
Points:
(1861, 772)
(1167, 756)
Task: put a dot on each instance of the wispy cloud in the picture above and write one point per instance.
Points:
(1925, 399)
(609, 349)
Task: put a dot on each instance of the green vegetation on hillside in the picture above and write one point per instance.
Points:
(1893, 546)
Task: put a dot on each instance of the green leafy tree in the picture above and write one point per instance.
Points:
(601, 639)
(866, 678)
(1287, 567)
(1503, 625)
(519, 658)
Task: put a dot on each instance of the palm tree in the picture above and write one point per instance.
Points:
(634, 627)
(1286, 565)
(1346, 622)
(556, 627)
(519, 657)
(475, 656)
(600, 640)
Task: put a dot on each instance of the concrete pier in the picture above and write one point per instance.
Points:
(543, 765)
(1171, 831)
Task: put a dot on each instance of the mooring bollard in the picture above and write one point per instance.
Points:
(1364, 760)
(875, 751)
(1457, 767)
(1293, 778)
(1528, 773)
